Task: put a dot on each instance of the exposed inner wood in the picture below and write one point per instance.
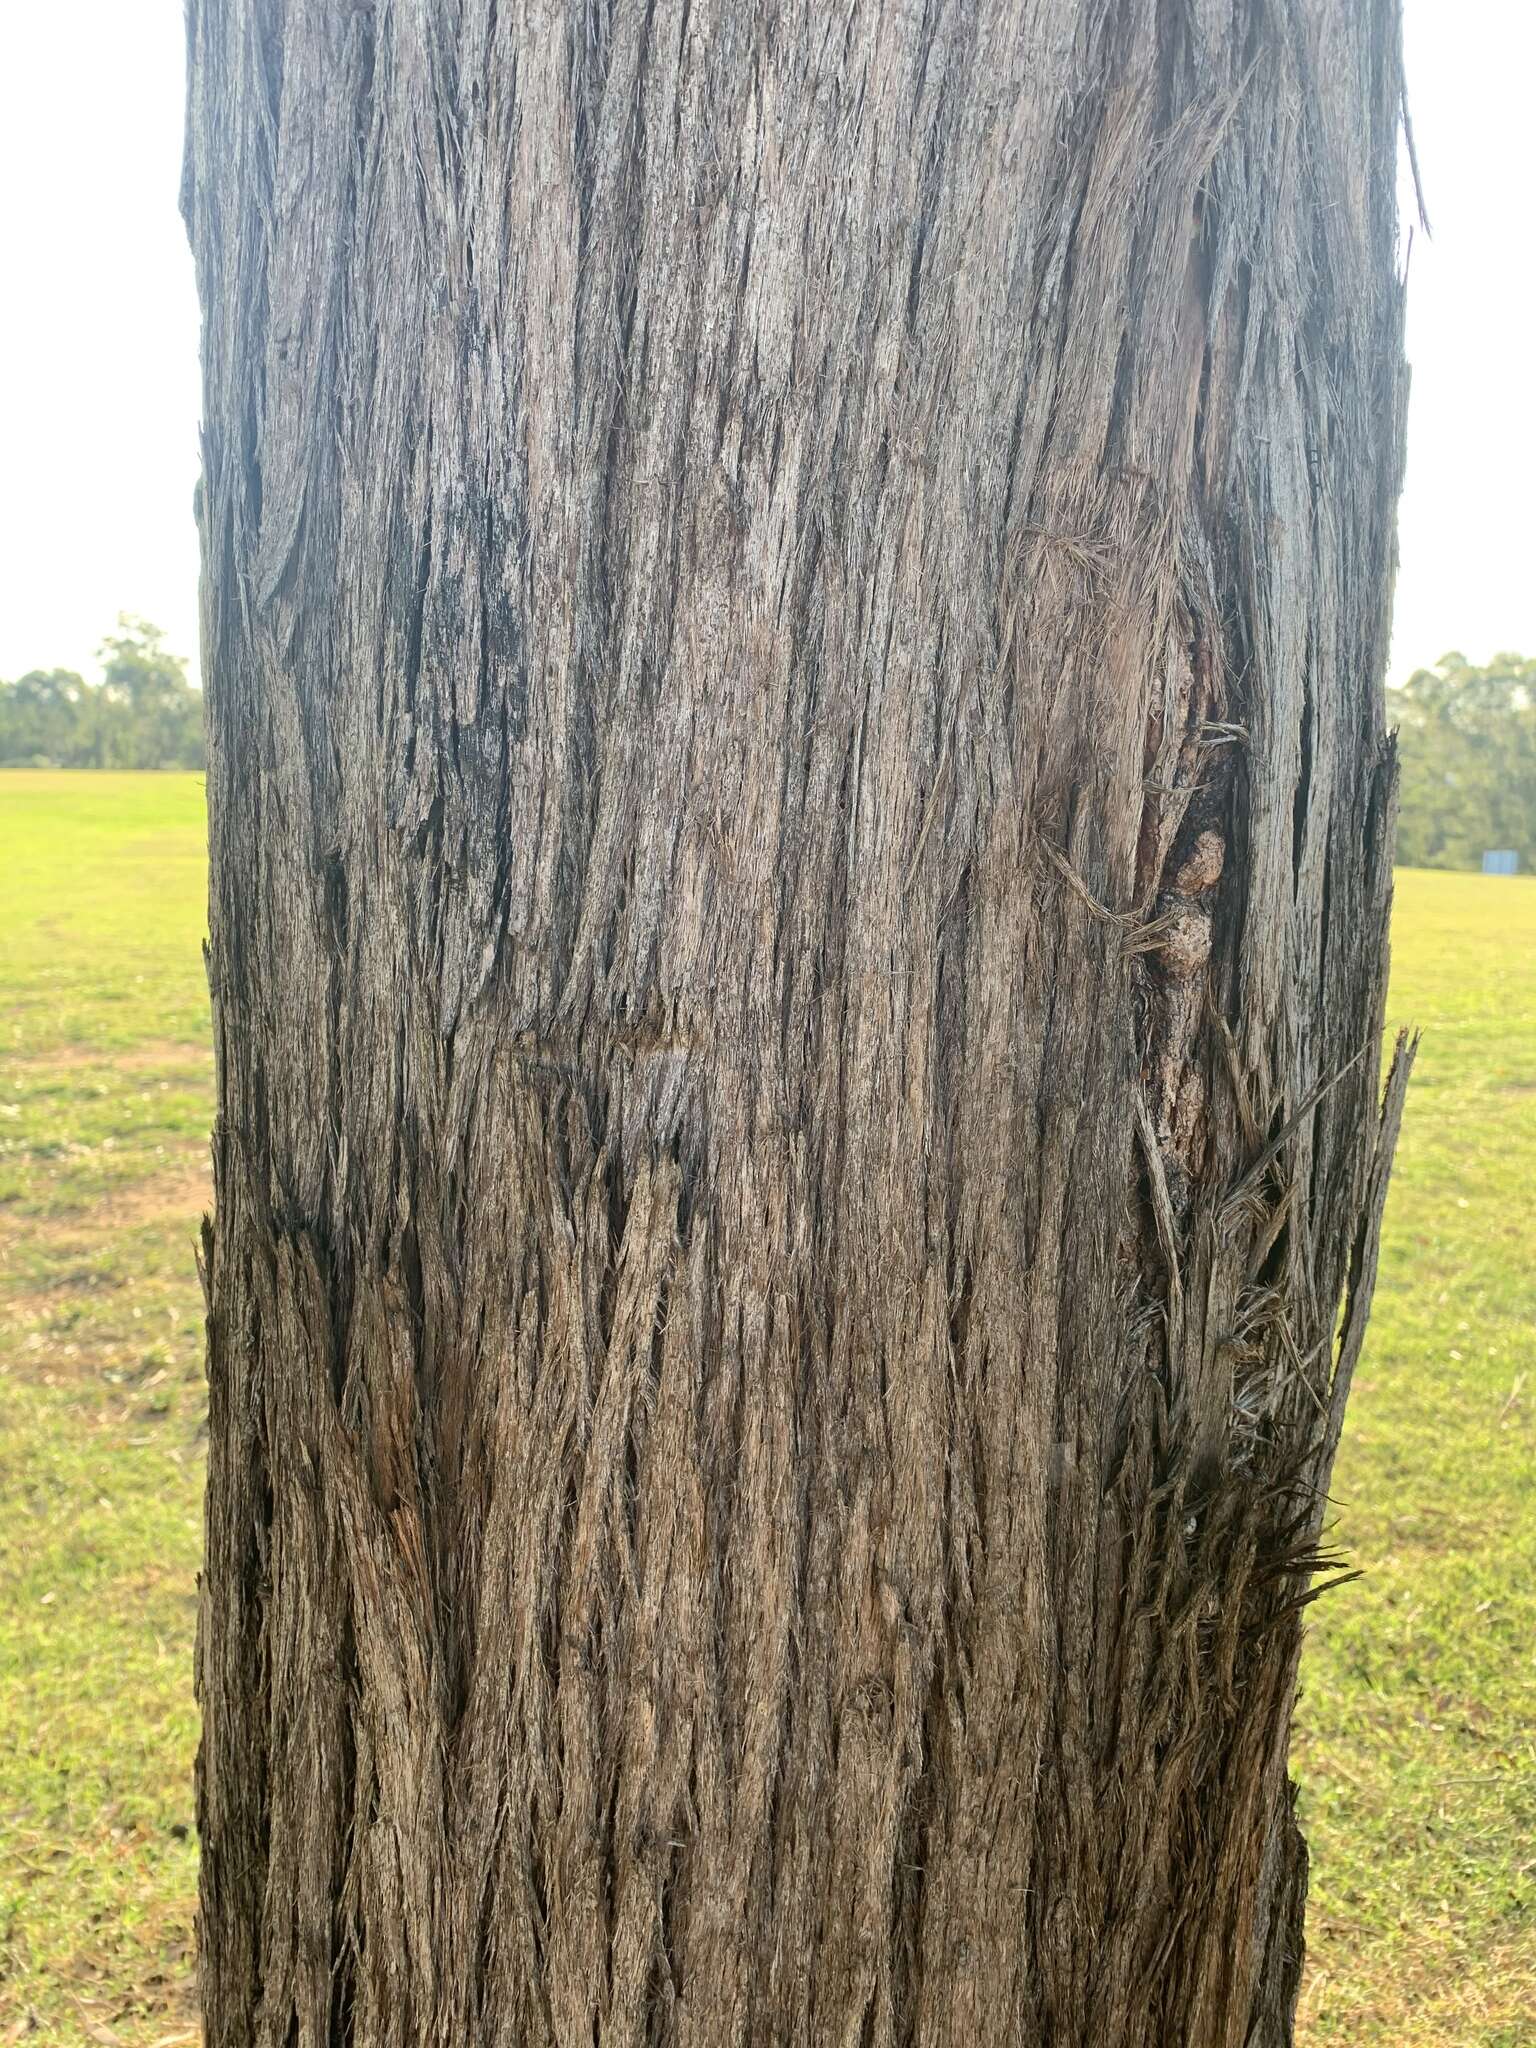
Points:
(795, 607)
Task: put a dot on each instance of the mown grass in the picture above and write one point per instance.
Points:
(1417, 1748)
(1417, 1743)
(105, 1093)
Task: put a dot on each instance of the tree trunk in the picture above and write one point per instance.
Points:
(795, 602)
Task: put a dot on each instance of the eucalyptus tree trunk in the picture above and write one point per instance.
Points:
(795, 602)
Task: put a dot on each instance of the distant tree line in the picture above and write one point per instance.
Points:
(1467, 741)
(144, 713)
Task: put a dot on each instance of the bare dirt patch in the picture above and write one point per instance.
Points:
(151, 1056)
(62, 1315)
(165, 1198)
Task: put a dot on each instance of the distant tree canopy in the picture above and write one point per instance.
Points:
(1468, 748)
(142, 714)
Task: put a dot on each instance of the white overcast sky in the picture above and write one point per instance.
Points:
(98, 334)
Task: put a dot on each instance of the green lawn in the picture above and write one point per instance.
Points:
(1417, 1750)
(106, 1085)
(1418, 1724)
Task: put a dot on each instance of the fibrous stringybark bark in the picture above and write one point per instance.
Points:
(794, 610)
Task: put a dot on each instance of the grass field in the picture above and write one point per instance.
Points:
(1417, 1750)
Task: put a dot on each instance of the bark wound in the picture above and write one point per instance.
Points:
(793, 634)
(1180, 858)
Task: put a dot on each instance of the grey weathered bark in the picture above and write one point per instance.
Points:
(795, 602)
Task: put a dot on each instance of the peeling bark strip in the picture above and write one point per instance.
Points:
(801, 844)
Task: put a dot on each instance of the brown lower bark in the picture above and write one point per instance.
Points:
(801, 832)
